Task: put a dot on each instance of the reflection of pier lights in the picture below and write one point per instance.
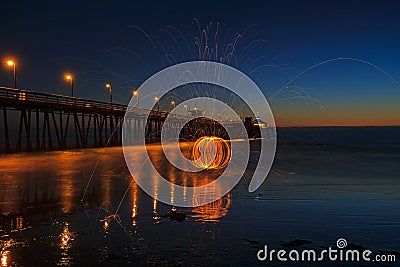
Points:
(184, 187)
(134, 203)
(66, 238)
(155, 217)
(155, 181)
(172, 182)
(4, 256)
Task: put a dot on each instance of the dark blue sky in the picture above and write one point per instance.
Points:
(91, 39)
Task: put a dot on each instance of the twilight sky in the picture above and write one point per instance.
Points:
(106, 41)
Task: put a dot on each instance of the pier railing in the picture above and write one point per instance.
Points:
(17, 98)
(26, 97)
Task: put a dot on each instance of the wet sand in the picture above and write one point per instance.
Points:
(315, 193)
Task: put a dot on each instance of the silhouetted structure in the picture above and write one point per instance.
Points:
(46, 116)
(92, 123)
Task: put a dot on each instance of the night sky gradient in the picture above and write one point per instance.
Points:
(103, 41)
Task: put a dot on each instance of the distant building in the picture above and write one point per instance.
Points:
(196, 112)
(253, 126)
(260, 123)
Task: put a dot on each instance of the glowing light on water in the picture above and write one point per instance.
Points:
(4, 258)
(155, 214)
(134, 204)
(65, 244)
(105, 224)
(211, 152)
(65, 237)
(212, 212)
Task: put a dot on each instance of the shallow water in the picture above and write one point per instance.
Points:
(82, 208)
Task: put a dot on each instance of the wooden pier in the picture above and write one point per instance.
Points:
(51, 121)
(46, 120)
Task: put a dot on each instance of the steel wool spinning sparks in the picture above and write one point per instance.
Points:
(211, 152)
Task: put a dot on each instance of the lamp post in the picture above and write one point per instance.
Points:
(108, 86)
(135, 93)
(173, 103)
(11, 63)
(68, 77)
(186, 107)
(158, 103)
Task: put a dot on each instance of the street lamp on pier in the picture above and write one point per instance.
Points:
(158, 103)
(108, 86)
(69, 78)
(135, 93)
(11, 63)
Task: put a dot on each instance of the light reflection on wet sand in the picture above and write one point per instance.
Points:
(44, 220)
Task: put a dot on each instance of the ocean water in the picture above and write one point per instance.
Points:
(81, 207)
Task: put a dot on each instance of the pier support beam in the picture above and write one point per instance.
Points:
(6, 136)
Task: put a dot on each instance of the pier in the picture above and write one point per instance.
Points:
(57, 122)
(47, 120)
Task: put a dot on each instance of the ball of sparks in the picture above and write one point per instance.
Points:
(210, 152)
